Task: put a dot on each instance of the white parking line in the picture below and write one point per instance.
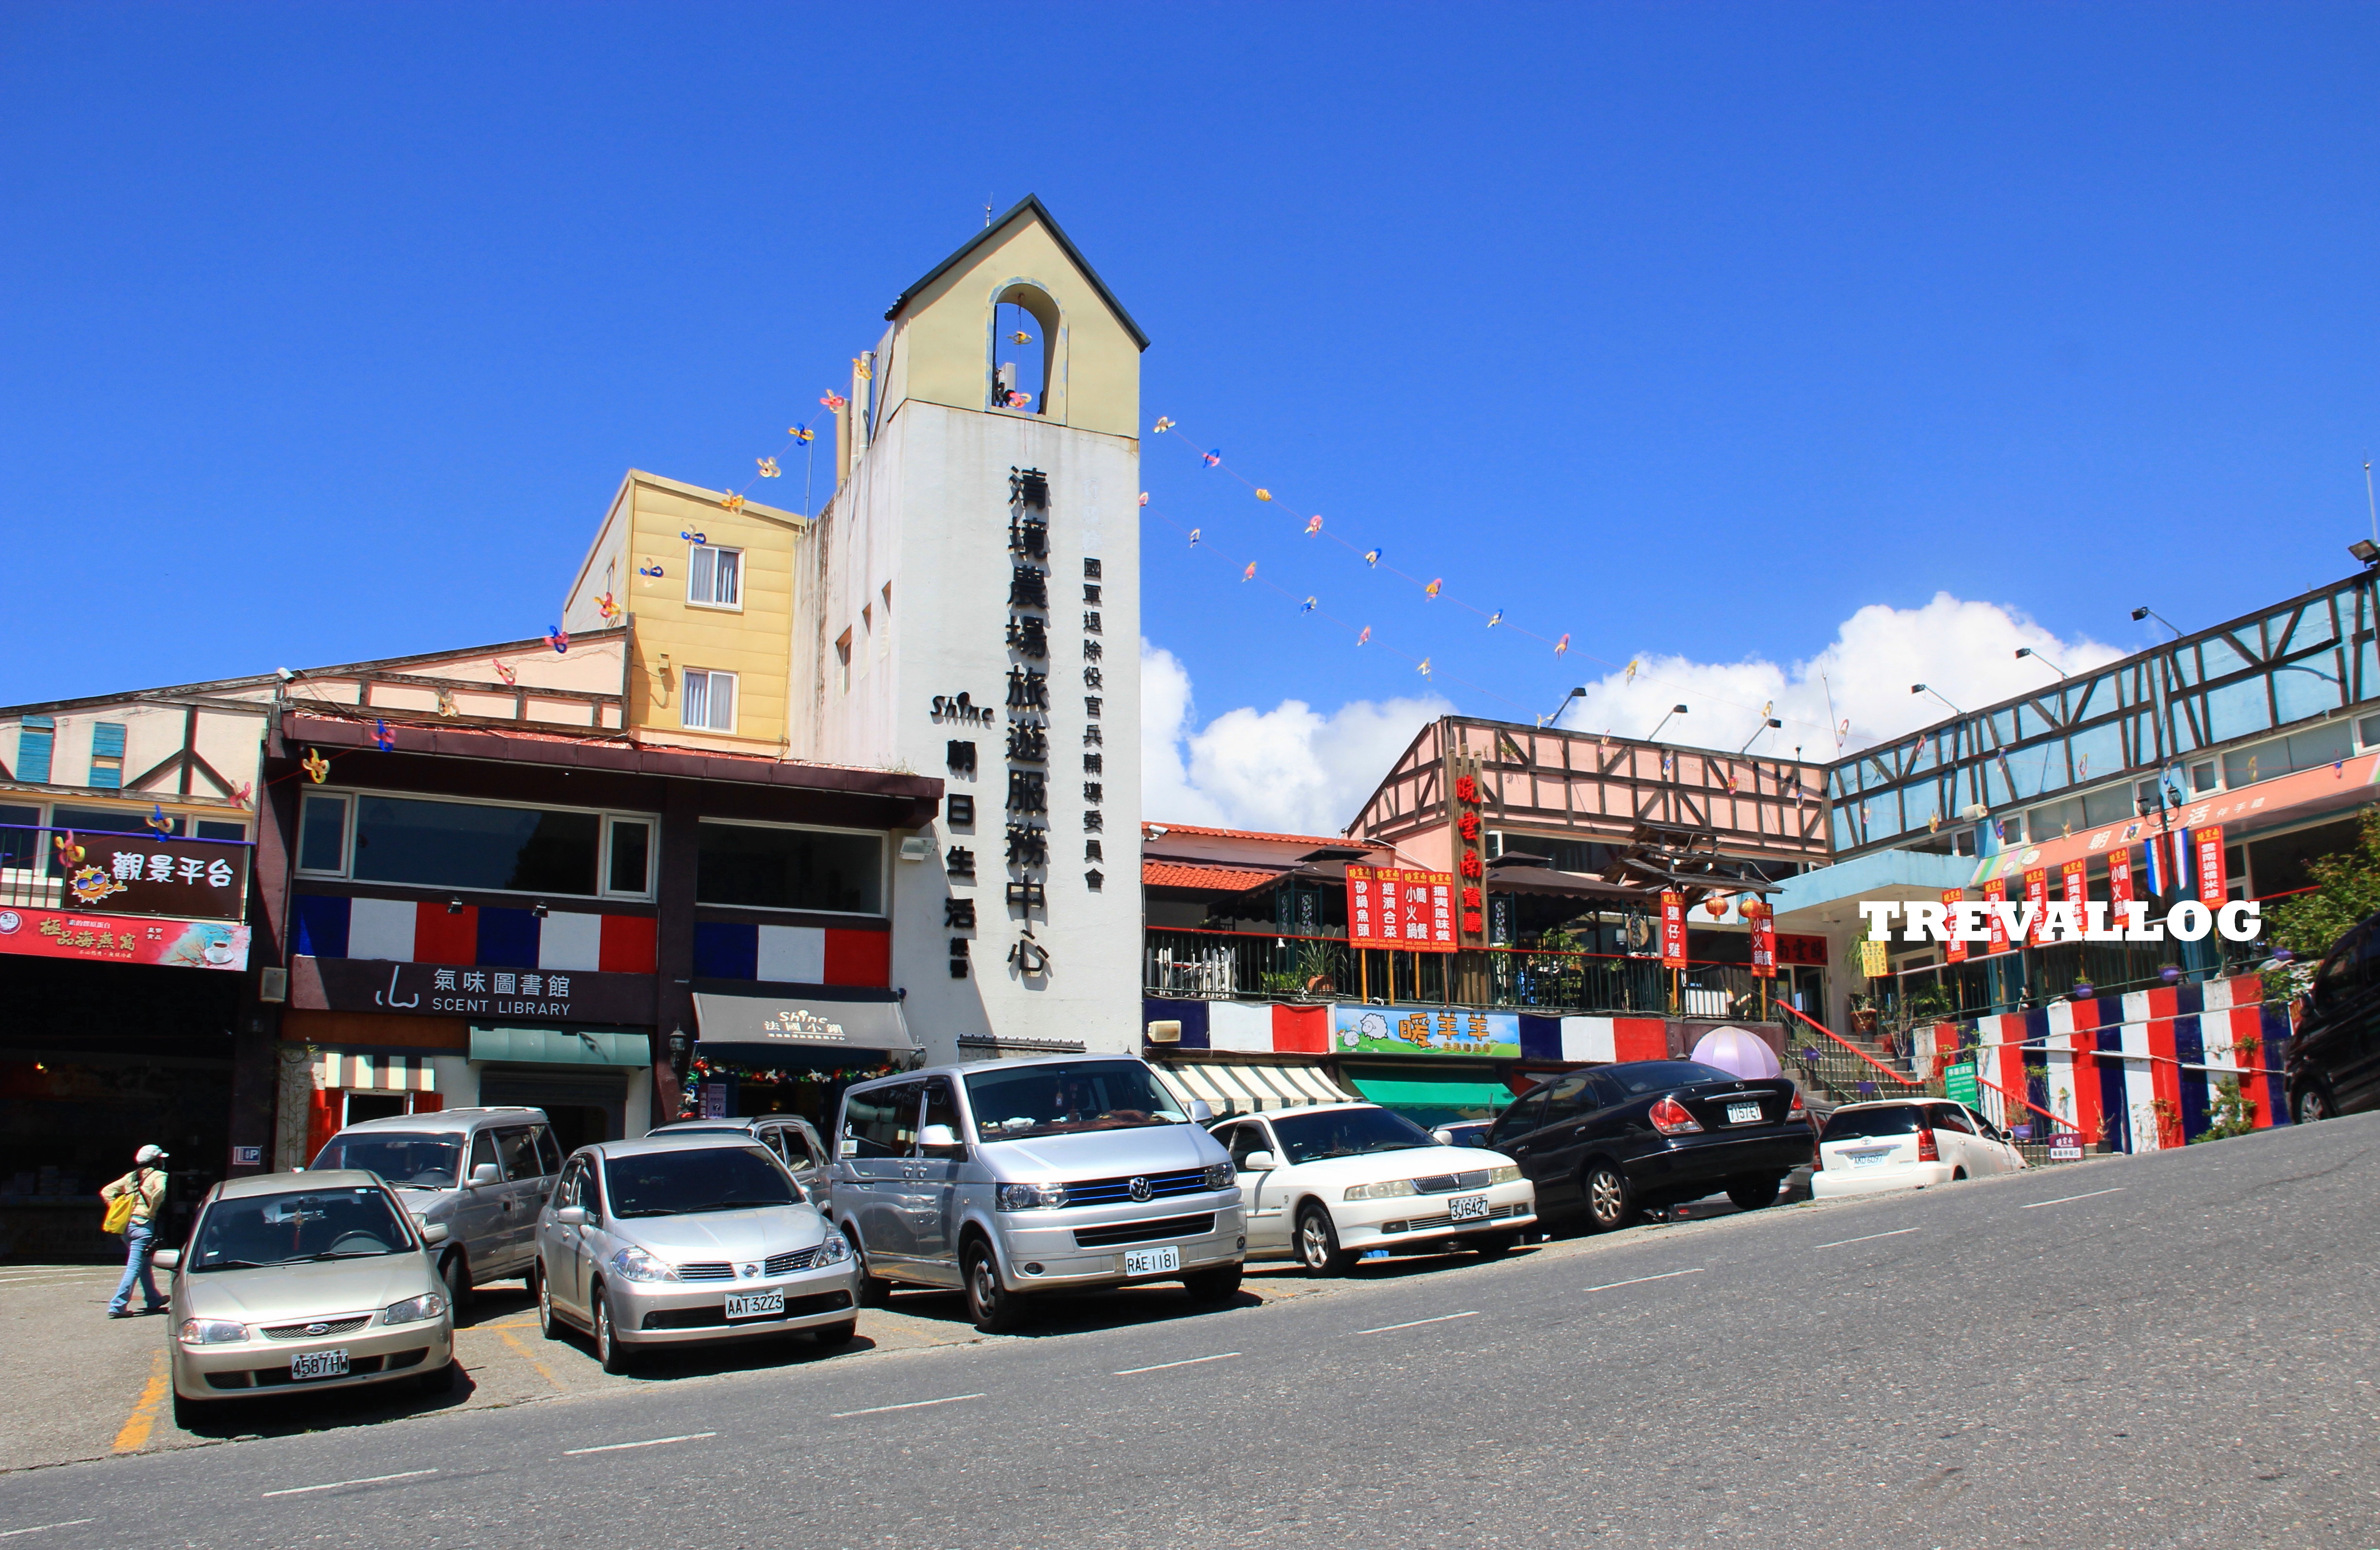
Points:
(1188, 1361)
(2064, 1198)
(44, 1527)
(1869, 1239)
(1640, 1281)
(649, 1442)
(912, 1405)
(332, 1485)
(1418, 1323)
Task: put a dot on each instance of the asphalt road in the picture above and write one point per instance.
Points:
(2176, 1349)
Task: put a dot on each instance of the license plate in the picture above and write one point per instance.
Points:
(1743, 1114)
(318, 1365)
(1870, 1160)
(1467, 1208)
(755, 1304)
(1152, 1262)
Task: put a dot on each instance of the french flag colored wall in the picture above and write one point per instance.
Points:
(792, 954)
(411, 931)
(1605, 1039)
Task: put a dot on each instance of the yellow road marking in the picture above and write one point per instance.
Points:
(134, 1436)
(533, 1362)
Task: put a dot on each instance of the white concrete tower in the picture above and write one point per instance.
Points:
(969, 606)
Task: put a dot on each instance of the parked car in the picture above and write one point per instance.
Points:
(789, 1135)
(319, 1279)
(1012, 1178)
(1464, 1133)
(483, 1174)
(1327, 1185)
(2333, 1066)
(1903, 1144)
(678, 1239)
(1600, 1146)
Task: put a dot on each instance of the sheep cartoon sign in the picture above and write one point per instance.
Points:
(1369, 1030)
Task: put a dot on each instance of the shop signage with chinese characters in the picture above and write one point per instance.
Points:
(1764, 948)
(103, 939)
(1401, 908)
(2214, 887)
(1369, 1030)
(150, 874)
(1808, 952)
(1673, 930)
(450, 990)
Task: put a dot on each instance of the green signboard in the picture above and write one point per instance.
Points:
(1369, 1030)
(1959, 1084)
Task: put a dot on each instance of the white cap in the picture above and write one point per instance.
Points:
(149, 1155)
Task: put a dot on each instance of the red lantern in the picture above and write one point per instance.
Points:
(1717, 905)
(1753, 908)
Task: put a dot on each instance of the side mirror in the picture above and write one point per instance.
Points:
(1259, 1162)
(571, 1216)
(166, 1259)
(433, 1233)
(1442, 1136)
(941, 1141)
(486, 1173)
(1201, 1111)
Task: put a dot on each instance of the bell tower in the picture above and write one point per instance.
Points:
(969, 607)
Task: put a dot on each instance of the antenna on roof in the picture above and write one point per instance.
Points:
(986, 225)
(2368, 502)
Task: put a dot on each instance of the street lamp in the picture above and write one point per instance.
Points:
(1764, 726)
(677, 1050)
(2029, 651)
(2365, 551)
(2145, 612)
(1555, 715)
(1922, 689)
(1674, 710)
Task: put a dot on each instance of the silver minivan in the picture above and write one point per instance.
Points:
(482, 1174)
(1009, 1178)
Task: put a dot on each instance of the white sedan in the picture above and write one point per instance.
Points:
(1327, 1184)
(1908, 1144)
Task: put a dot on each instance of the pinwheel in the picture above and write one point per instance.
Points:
(692, 537)
(1211, 458)
(1496, 618)
(1020, 337)
(383, 739)
(1371, 557)
(1161, 426)
(1309, 606)
(157, 819)
(1264, 494)
(507, 674)
(1250, 574)
(1365, 637)
(835, 401)
(557, 637)
(316, 767)
(1431, 590)
(1314, 525)
(768, 468)
(1561, 646)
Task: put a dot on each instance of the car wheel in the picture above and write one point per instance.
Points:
(1217, 1285)
(833, 1335)
(1609, 1202)
(441, 1381)
(874, 1291)
(995, 1309)
(191, 1414)
(1317, 1244)
(456, 1271)
(2312, 1106)
(1494, 1246)
(548, 1323)
(1752, 1193)
(1957, 1174)
(609, 1350)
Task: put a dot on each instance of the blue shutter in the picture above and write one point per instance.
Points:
(106, 743)
(34, 740)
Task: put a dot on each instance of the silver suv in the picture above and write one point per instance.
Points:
(1009, 1178)
(483, 1174)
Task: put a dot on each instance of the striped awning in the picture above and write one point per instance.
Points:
(1249, 1089)
(378, 1073)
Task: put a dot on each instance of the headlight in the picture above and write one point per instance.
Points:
(1032, 1197)
(834, 1250)
(211, 1331)
(1508, 1174)
(413, 1309)
(1380, 1190)
(633, 1263)
(1219, 1176)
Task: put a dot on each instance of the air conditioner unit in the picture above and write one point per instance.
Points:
(272, 985)
(1165, 1033)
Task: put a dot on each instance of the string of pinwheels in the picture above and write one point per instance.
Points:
(1434, 588)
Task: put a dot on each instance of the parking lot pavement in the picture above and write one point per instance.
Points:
(73, 1375)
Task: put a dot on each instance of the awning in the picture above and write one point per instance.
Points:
(556, 1047)
(800, 1030)
(1443, 1100)
(336, 1069)
(1249, 1089)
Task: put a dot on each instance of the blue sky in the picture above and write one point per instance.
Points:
(326, 332)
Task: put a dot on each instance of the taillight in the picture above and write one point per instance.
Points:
(1670, 1117)
(1927, 1150)
(1796, 1107)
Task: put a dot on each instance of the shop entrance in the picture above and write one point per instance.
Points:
(583, 1106)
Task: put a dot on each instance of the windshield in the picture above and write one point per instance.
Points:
(1651, 1076)
(691, 1182)
(350, 1223)
(1852, 1124)
(1347, 1132)
(1061, 1099)
(413, 1162)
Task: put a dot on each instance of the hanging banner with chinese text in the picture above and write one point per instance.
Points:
(1401, 908)
(1764, 948)
(2036, 893)
(2213, 887)
(1996, 892)
(1673, 930)
(1955, 950)
(2119, 879)
(171, 944)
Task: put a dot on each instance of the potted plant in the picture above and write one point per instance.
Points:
(2083, 990)
(1865, 1017)
(2170, 972)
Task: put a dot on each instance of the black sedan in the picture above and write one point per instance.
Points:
(1606, 1144)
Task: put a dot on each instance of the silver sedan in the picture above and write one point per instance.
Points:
(684, 1238)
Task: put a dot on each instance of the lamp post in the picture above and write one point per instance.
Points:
(1764, 726)
(1922, 689)
(1674, 710)
(1555, 715)
(2023, 652)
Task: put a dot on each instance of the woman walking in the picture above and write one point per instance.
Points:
(144, 1190)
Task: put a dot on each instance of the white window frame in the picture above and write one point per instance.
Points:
(710, 677)
(694, 551)
(883, 867)
(352, 795)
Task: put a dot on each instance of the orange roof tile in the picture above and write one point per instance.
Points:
(1225, 879)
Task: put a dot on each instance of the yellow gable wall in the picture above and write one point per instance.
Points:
(753, 642)
(941, 349)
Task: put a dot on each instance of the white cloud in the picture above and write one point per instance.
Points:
(1291, 769)
(1963, 650)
